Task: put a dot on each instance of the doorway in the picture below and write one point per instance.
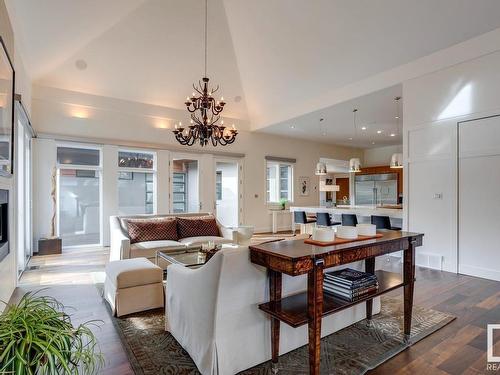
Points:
(185, 177)
(227, 193)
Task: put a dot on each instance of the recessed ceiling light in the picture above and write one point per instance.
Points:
(81, 64)
(379, 131)
(396, 117)
(292, 126)
(363, 128)
(393, 135)
(373, 143)
(350, 138)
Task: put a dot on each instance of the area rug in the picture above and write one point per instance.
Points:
(353, 350)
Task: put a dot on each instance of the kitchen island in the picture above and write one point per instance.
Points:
(363, 212)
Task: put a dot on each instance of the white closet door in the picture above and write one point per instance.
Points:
(479, 198)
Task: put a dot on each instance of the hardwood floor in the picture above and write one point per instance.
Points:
(70, 278)
(458, 348)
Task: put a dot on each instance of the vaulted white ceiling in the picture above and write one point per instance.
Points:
(282, 57)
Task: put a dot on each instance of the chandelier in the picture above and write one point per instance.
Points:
(205, 113)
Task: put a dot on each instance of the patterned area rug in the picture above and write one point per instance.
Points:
(353, 350)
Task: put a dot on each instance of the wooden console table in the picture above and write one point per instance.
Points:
(297, 258)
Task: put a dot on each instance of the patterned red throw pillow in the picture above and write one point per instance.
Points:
(141, 230)
(197, 226)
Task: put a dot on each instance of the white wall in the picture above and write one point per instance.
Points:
(374, 157)
(8, 269)
(113, 121)
(433, 104)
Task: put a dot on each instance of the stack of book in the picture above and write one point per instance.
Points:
(349, 284)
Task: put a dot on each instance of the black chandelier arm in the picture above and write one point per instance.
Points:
(196, 120)
(213, 119)
(191, 110)
(198, 89)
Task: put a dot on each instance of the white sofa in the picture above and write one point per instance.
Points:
(212, 312)
(121, 248)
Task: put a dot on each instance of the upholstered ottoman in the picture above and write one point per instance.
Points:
(133, 285)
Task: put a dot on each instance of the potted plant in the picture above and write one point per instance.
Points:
(283, 202)
(37, 337)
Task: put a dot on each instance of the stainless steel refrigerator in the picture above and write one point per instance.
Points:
(376, 189)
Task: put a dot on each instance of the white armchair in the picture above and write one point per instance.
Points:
(213, 312)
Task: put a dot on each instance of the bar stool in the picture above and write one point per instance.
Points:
(349, 220)
(300, 217)
(383, 222)
(324, 219)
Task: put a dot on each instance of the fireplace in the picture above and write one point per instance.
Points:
(4, 224)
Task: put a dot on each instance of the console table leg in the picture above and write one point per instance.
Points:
(275, 295)
(369, 268)
(314, 312)
(409, 279)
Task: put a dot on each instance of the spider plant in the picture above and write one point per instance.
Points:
(37, 337)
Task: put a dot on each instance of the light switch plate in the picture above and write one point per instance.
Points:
(438, 196)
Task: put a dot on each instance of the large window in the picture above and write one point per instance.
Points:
(79, 174)
(136, 178)
(279, 181)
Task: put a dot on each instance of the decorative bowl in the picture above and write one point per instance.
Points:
(347, 232)
(366, 229)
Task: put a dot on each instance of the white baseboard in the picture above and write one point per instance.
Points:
(485, 273)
